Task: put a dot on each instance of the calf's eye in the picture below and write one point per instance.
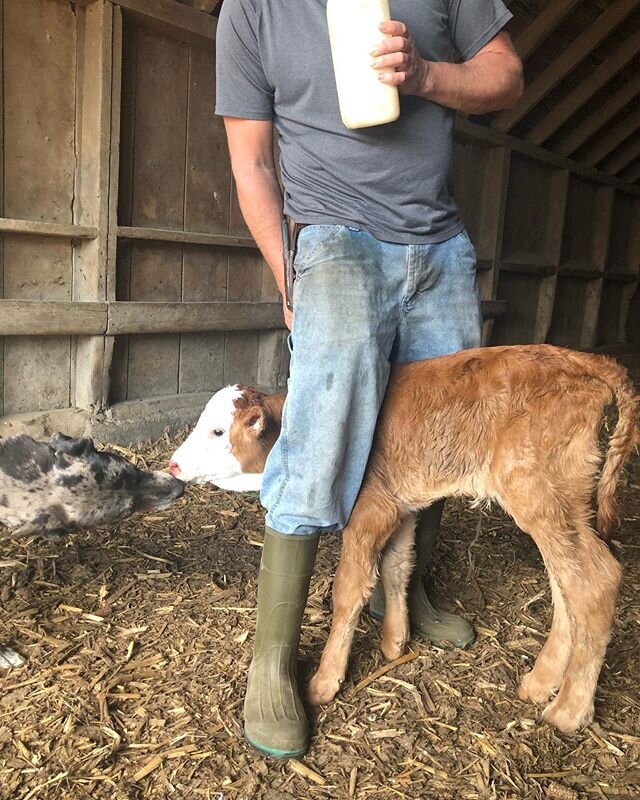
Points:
(216, 432)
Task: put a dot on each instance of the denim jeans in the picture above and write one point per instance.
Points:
(360, 305)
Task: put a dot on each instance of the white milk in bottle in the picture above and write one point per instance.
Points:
(353, 31)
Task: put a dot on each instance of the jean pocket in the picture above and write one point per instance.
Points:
(468, 246)
(311, 240)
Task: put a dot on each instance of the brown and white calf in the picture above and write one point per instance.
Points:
(517, 426)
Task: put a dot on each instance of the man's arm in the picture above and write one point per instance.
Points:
(490, 81)
(251, 149)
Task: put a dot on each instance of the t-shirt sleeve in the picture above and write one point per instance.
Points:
(242, 89)
(473, 23)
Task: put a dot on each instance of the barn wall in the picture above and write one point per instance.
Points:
(129, 282)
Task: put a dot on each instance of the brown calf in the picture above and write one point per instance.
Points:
(517, 426)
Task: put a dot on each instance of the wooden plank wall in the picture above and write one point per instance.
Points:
(558, 243)
(39, 171)
(127, 271)
(175, 176)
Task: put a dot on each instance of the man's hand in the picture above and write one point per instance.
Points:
(288, 315)
(489, 81)
(398, 60)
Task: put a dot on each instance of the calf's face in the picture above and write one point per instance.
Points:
(66, 484)
(230, 442)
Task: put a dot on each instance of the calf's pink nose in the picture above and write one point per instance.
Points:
(174, 469)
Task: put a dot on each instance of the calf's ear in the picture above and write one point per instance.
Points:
(255, 420)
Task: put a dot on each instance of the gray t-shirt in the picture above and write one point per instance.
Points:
(395, 180)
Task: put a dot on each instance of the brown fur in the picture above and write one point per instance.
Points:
(517, 426)
(256, 427)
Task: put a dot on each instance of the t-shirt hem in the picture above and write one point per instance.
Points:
(487, 36)
(221, 111)
(393, 237)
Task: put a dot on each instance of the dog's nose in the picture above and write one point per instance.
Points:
(174, 469)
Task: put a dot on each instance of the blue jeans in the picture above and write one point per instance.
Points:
(360, 305)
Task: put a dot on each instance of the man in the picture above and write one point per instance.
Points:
(385, 273)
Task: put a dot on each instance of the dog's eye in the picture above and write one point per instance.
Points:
(216, 432)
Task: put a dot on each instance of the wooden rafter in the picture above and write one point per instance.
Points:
(585, 44)
(624, 156)
(544, 24)
(174, 17)
(569, 143)
(201, 5)
(607, 144)
(584, 91)
(632, 174)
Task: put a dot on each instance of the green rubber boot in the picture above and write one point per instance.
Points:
(274, 719)
(436, 626)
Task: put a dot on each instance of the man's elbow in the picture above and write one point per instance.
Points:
(515, 85)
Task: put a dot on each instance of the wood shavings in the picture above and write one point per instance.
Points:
(133, 686)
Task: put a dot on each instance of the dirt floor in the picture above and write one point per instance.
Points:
(138, 640)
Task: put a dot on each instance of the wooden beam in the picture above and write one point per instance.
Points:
(142, 317)
(173, 18)
(60, 318)
(585, 44)
(493, 309)
(598, 119)
(583, 92)
(201, 5)
(33, 227)
(611, 140)
(51, 318)
(543, 25)
(621, 277)
(632, 173)
(481, 133)
(624, 156)
(184, 237)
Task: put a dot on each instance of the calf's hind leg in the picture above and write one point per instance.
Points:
(547, 675)
(584, 578)
(396, 568)
(590, 588)
(372, 521)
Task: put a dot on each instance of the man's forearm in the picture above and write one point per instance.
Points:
(473, 87)
(260, 201)
(490, 81)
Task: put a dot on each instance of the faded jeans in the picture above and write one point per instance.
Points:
(360, 305)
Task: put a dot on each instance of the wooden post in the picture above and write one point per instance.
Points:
(114, 173)
(601, 239)
(91, 201)
(633, 267)
(1, 199)
(554, 234)
(493, 224)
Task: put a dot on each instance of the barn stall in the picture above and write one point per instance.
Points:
(131, 290)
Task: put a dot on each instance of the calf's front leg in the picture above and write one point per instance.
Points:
(355, 578)
(372, 521)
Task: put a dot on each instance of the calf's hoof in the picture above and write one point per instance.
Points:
(534, 690)
(323, 689)
(566, 717)
(393, 648)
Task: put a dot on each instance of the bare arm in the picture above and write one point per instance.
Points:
(251, 149)
(490, 81)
